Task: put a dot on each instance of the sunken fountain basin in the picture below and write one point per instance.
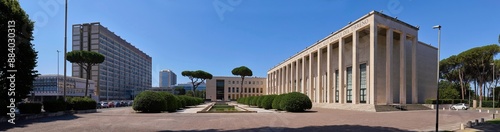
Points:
(223, 107)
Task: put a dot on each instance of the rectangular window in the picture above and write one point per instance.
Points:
(233, 89)
(245, 90)
(229, 89)
(349, 85)
(362, 83)
(336, 86)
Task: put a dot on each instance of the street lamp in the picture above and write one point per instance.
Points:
(65, 45)
(437, 93)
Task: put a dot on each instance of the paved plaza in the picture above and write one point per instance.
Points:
(318, 119)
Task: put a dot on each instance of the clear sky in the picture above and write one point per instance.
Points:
(219, 35)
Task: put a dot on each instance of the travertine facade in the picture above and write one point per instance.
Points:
(374, 60)
(228, 88)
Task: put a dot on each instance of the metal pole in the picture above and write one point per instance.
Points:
(57, 77)
(65, 45)
(437, 93)
(495, 84)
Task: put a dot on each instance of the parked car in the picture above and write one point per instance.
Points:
(459, 106)
(117, 104)
(111, 104)
(104, 105)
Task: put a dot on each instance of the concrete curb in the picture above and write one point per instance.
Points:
(21, 117)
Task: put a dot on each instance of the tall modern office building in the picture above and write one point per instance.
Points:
(125, 71)
(167, 78)
(374, 60)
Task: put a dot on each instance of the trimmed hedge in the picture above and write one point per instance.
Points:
(81, 103)
(267, 101)
(172, 101)
(150, 102)
(276, 102)
(55, 105)
(259, 99)
(30, 108)
(446, 101)
(295, 102)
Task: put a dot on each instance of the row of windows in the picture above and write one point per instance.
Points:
(245, 90)
(236, 96)
(246, 82)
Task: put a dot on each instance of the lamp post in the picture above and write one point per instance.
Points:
(437, 93)
(65, 45)
(57, 77)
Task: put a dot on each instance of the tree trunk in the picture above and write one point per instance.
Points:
(480, 94)
(461, 83)
(241, 90)
(475, 90)
(89, 69)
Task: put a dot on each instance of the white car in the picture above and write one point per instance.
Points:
(459, 106)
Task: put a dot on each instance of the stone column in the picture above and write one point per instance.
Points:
(371, 69)
(402, 68)
(319, 79)
(309, 82)
(414, 73)
(297, 79)
(329, 73)
(341, 71)
(355, 68)
(388, 67)
(303, 80)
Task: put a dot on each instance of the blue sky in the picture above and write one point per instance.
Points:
(219, 35)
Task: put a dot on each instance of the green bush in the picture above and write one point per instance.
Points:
(30, 108)
(490, 104)
(172, 105)
(179, 102)
(150, 102)
(182, 101)
(81, 103)
(276, 102)
(267, 102)
(257, 102)
(254, 100)
(295, 102)
(446, 101)
(55, 105)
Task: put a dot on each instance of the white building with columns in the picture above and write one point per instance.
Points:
(374, 60)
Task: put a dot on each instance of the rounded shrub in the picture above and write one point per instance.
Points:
(260, 99)
(182, 101)
(178, 102)
(55, 105)
(81, 103)
(255, 100)
(295, 102)
(30, 108)
(149, 102)
(267, 102)
(276, 102)
(172, 105)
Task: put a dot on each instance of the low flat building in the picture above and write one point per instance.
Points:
(224, 88)
(50, 87)
(374, 60)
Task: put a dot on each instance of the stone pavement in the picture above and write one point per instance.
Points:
(318, 119)
(194, 109)
(253, 108)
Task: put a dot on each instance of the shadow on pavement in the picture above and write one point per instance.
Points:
(24, 123)
(488, 127)
(332, 128)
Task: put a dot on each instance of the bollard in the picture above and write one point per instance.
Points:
(469, 123)
(488, 111)
(462, 126)
(444, 108)
(482, 120)
(476, 123)
(479, 110)
(493, 116)
(496, 112)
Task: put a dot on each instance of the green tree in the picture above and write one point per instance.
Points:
(197, 77)
(189, 93)
(448, 90)
(180, 90)
(18, 53)
(242, 71)
(478, 60)
(85, 59)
